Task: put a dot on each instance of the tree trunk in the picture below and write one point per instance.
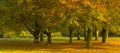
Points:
(78, 33)
(85, 34)
(70, 33)
(78, 36)
(89, 38)
(104, 35)
(41, 37)
(96, 35)
(1, 34)
(36, 38)
(70, 38)
(49, 41)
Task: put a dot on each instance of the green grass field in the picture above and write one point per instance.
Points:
(59, 45)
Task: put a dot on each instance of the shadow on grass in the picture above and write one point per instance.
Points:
(55, 46)
(43, 46)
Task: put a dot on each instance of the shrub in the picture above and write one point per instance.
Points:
(56, 34)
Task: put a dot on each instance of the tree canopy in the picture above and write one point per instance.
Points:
(47, 16)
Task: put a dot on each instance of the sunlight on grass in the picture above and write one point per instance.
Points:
(24, 52)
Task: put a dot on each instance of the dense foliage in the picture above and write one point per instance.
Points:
(40, 17)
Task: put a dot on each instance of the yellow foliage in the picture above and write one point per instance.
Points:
(86, 2)
(70, 5)
(20, 1)
(56, 34)
(25, 34)
(76, 23)
(9, 34)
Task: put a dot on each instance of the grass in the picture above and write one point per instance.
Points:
(59, 45)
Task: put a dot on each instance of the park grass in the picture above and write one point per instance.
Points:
(59, 45)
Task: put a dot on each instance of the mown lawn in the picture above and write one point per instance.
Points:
(59, 45)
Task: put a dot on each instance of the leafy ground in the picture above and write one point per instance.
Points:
(60, 45)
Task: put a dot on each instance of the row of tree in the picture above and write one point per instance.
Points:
(47, 16)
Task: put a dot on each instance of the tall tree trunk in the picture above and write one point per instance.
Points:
(104, 35)
(78, 33)
(70, 38)
(85, 33)
(49, 41)
(36, 38)
(1, 34)
(89, 38)
(96, 34)
(70, 33)
(41, 37)
(78, 36)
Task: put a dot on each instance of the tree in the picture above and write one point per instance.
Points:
(48, 16)
(35, 16)
(89, 38)
(71, 32)
(111, 16)
(83, 12)
(104, 35)
(44, 16)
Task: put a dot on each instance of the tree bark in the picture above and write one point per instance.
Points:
(49, 40)
(104, 35)
(89, 38)
(41, 37)
(96, 34)
(78, 33)
(85, 33)
(36, 38)
(36, 35)
(1, 34)
(70, 38)
(70, 33)
(78, 36)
